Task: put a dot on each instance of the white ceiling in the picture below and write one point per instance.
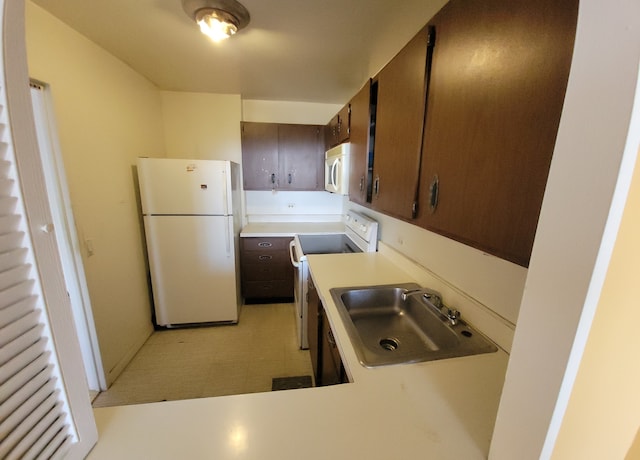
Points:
(292, 50)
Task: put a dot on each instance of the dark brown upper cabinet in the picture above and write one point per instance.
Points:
(260, 155)
(496, 91)
(359, 172)
(279, 156)
(301, 157)
(338, 129)
(399, 121)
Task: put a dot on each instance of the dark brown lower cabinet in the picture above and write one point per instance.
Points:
(313, 328)
(331, 369)
(266, 269)
(325, 357)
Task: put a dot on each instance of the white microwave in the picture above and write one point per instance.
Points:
(336, 169)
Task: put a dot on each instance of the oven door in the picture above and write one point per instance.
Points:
(300, 274)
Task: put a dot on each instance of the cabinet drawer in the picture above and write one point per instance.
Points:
(266, 289)
(265, 244)
(267, 272)
(265, 257)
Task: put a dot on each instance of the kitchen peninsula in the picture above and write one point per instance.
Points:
(442, 409)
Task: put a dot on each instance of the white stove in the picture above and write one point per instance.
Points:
(360, 235)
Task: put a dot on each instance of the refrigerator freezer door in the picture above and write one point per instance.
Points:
(192, 261)
(187, 187)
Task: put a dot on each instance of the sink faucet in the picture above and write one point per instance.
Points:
(428, 294)
(435, 300)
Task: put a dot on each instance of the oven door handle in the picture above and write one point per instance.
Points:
(294, 262)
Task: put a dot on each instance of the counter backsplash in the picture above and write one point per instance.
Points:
(285, 206)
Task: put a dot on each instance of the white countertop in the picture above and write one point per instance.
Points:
(442, 409)
(275, 229)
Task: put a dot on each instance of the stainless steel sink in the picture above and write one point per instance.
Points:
(386, 327)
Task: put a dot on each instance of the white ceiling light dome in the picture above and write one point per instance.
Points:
(218, 19)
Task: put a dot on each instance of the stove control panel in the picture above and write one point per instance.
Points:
(362, 226)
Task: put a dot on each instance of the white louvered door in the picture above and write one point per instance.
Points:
(44, 406)
(33, 416)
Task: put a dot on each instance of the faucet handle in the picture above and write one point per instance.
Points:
(430, 296)
(434, 298)
(427, 294)
(453, 315)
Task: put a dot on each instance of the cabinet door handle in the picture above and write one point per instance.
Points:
(362, 183)
(265, 257)
(376, 185)
(265, 244)
(289, 178)
(273, 179)
(434, 189)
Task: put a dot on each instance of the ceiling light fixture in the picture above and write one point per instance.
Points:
(218, 19)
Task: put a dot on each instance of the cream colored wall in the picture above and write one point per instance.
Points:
(304, 113)
(202, 126)
(634, 451)
(603, 414)
(107, 115)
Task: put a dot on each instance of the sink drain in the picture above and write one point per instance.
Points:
(389, 344)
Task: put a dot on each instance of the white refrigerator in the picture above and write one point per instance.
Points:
(192, 220)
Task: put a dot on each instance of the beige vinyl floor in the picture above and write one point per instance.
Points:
(213, 361)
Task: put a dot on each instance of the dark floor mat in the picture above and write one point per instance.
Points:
(291, 383)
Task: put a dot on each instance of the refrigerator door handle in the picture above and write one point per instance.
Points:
(227, 239)
(225, 195)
